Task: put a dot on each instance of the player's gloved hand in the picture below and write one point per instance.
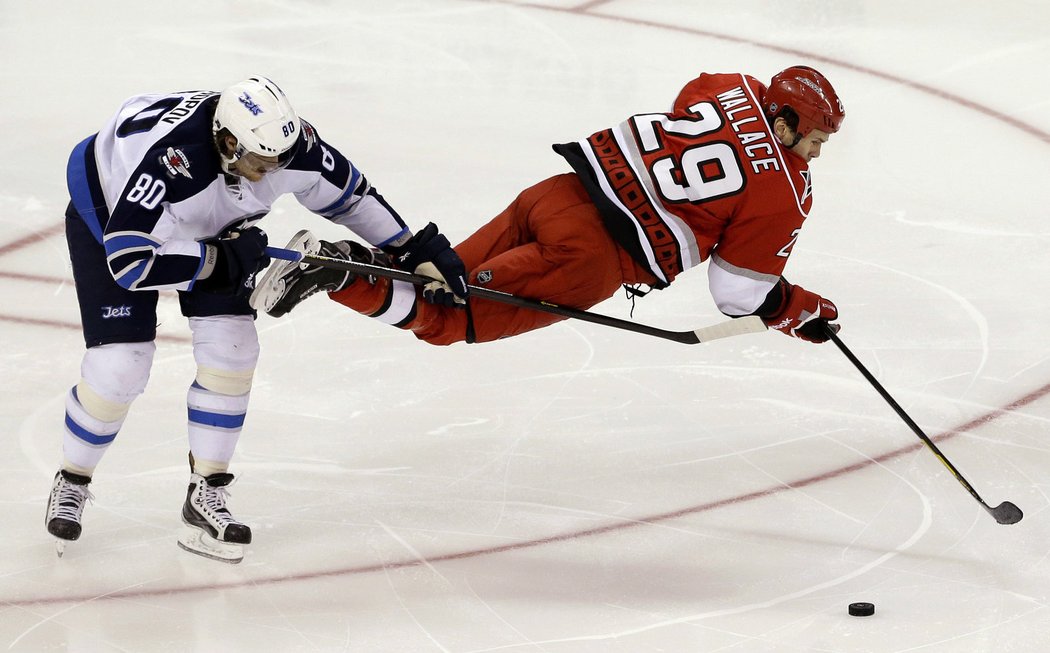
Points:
(234, 258)
(804, 315)
(428, 253)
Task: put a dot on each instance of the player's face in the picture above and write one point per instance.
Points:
(251, 166)
(809, 146)
(254, 167)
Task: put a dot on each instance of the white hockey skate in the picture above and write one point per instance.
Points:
(287, 283)
(271, 287)
(65, 506)
(210, 530)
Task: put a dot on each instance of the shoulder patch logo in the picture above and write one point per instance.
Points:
(309, 133)
(177, 163)
(484, 276)
(250, 104)
(807, 190)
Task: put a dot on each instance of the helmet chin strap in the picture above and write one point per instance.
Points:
(228, 163)
(794, 140)
(783, 141)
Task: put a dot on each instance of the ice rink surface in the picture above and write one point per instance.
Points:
(577, 489)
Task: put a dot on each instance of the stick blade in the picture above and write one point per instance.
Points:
(1006, 513)
(735, 327)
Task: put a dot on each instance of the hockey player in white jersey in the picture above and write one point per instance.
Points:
(166, 197)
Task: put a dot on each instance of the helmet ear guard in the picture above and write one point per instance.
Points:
(810, 95)
(257, 113)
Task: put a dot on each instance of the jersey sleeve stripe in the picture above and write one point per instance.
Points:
(654, 267)
(132, 274)
(688, 250)
(401, 234)
(780, 152)
(343, 204)
(119, 242)
(84, 189)
(737, 291)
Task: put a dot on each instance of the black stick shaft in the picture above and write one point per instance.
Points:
(907, 419)
(697, 336)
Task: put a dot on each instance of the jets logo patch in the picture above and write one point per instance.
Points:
(309, 133)
(176, 162)
(111, 312)
(250, 104)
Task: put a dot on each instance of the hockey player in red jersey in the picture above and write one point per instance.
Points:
(723, 177)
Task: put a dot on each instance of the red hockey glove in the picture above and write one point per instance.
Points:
(804, 315)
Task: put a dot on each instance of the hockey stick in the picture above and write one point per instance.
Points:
(734, 327)
(1004, 513)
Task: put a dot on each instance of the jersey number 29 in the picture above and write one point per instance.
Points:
(709, 170)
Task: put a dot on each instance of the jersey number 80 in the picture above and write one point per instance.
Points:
(147, 192)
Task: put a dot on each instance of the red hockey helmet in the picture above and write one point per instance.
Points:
(809, 94)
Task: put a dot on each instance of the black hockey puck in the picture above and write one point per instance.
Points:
(861, 609)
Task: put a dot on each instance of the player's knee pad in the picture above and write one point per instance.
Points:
(112, 376)
(226, 349)
(98, 406)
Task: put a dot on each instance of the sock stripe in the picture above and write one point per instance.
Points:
(87, 436)
(208, 418)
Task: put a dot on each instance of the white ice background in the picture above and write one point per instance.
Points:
(576, 489)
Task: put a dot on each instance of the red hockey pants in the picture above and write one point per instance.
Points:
(549, 244)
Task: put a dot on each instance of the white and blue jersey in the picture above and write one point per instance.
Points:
(150, 188)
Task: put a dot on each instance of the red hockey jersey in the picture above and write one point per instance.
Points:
(708, 180)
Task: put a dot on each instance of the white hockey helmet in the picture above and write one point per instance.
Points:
(258, 114)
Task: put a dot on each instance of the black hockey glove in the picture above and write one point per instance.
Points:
(428, 253)
(234, 259)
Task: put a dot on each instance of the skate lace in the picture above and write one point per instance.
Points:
(214, 501)
(70, 500)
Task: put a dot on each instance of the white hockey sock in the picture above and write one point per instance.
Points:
(86, 437)
(400, 306)
(215, 422)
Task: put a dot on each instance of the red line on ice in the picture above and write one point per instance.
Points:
(655, 519)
